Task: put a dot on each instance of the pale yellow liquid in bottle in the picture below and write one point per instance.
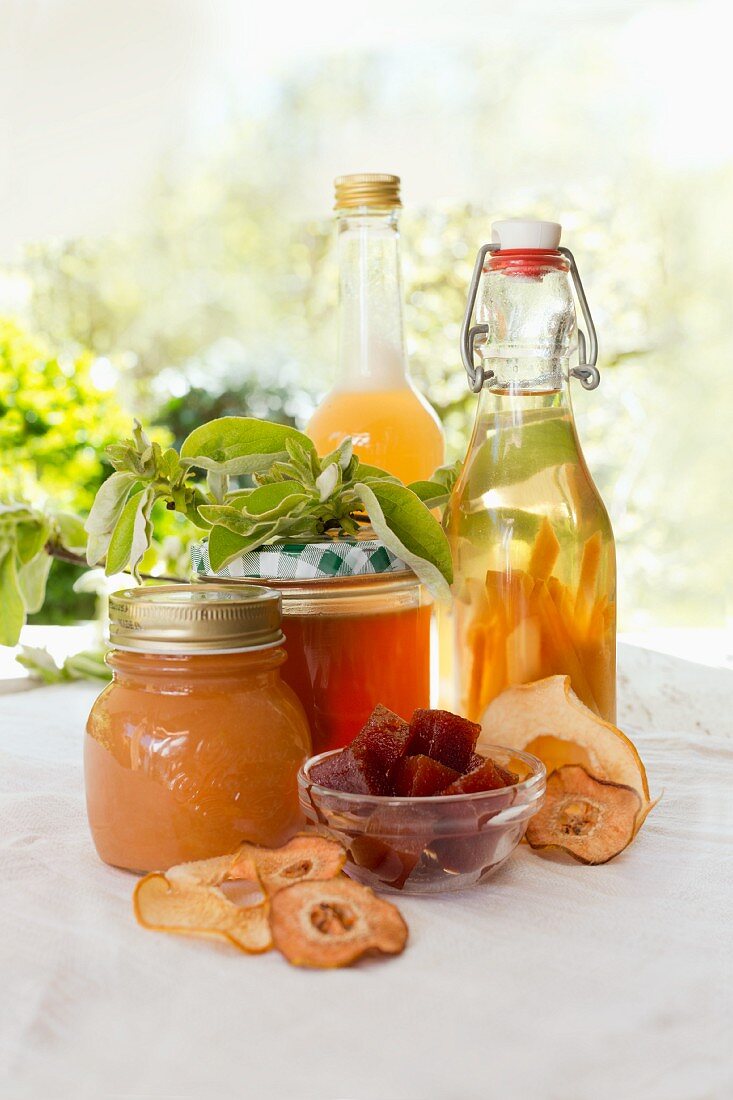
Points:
(394, 429)
(534, 559)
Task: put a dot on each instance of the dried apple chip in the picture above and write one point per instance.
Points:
(332, 924)
(548, 719)
(590, 819)
(192, 909)
(304, 858)
(203, 872)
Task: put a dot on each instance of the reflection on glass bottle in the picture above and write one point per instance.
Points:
(373, 399)
(534, 555)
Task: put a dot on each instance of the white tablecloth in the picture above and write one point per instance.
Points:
(551, 981)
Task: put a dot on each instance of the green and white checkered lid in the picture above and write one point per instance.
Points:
(298, 560)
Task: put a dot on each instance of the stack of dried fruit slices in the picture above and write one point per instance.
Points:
(597, 798)
(597, 795)
(302, 905)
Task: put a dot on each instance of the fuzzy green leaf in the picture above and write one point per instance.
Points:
(225, 545)
(12, 604)
(328, 482)
(32, 578)
(70, 531)
(240, 445)
(431, 493)
(238, 496)
(106, 511)
(224, 515)
(410, 531)
(168, 465)
(217, 484)
(369, 473)
(40, 664)
(448, 475)
(132, 534)
(30, 538)
(342, 455)
(303, 460)
(87, 665)
(189, 502)
(275, 500)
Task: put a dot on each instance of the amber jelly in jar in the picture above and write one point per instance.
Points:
(357, 629)
(354, 642)
(196, 743)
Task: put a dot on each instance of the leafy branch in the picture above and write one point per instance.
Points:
(25, 533)
(292, 495)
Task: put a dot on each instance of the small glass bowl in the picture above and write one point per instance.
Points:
(428, 845)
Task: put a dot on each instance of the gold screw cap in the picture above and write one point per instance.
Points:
(195, 618)
(374, 190)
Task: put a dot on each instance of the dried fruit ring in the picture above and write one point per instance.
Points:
(332, 924)
(590, 819)
(192, 909)
(304, 858)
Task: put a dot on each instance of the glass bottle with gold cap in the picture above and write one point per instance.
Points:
(195, 745)
(373, 399)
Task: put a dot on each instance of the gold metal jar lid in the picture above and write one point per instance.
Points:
(195, 618)
(371, 189)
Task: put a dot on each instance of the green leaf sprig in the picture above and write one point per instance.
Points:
(293, 495)
(87, 665)
(26, 533)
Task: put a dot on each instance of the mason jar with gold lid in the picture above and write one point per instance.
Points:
(195, 745)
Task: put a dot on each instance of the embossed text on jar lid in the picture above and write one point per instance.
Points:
(195, 618)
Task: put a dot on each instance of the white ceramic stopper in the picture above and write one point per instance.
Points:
(526, 233)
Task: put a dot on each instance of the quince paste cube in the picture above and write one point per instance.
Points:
(489, 777)
(416, 776)
(384, 740)
(444, 737)
(341, 772)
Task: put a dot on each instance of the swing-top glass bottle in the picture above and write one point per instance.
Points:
(534, 556)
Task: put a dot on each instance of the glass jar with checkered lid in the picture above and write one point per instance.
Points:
(357, 628)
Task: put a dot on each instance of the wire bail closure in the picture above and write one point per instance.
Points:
(586, 371)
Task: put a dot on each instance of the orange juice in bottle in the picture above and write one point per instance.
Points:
(373, 399)
(533, 549)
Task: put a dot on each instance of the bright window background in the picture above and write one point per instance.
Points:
(165, 187)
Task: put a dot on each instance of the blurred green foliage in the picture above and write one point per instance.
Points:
(54, 425)
(54, 422)
(224, 302)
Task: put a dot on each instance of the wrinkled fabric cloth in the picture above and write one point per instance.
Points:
(552, 981)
